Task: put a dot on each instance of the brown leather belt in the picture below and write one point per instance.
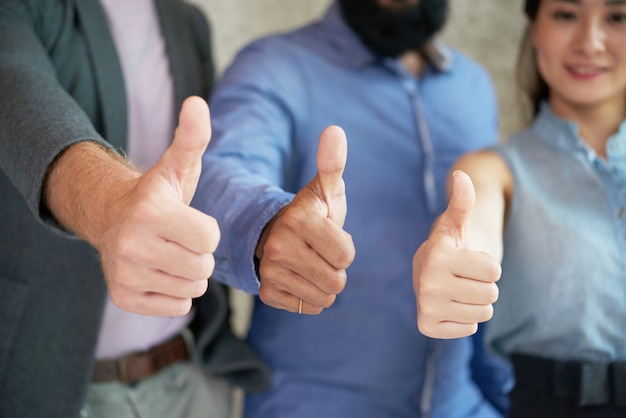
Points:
(135, 367)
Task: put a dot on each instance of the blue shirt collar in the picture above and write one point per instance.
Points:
(437, 54)
(563, 134)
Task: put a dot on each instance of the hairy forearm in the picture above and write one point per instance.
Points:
(83, 186)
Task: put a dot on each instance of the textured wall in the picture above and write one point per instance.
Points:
(489, 31)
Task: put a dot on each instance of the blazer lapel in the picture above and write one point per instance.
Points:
(109, 77)
(188, 46)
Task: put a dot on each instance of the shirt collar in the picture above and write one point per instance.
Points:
(563, 134)
(351, 47)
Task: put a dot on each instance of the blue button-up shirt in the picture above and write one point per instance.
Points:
(364, 356)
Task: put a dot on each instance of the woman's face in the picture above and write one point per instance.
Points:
(580, 47)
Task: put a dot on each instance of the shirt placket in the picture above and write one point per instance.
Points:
(411, 85)
(616, 174)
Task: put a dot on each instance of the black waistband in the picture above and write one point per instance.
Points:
(588, 384)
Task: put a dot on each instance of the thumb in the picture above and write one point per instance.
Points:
(331, 159)
(455, 220)
(182, 162)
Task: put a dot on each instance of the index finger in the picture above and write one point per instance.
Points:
(192, 229)
(330, 241)
(476, 265)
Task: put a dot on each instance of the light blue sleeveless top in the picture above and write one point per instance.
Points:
(563, 285)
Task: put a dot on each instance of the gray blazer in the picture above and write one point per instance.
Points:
(61, 82)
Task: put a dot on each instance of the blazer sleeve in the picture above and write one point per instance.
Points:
(38, 117)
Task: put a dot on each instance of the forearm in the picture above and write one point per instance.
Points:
(83, 186)
(491, 181)
(243, 203)
(485, 232)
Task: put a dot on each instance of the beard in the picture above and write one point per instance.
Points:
(392, 32)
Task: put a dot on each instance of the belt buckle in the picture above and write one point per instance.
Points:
(585, 383)
(594, 384)
(122, 370)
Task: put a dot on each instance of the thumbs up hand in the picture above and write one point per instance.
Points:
(304, 252)
(156, 251)
(454, 285)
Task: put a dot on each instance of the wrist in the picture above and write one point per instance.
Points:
(83, 187)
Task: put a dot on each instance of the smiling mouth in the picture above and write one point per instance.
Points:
(585, 70)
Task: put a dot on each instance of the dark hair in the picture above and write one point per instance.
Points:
(530, 8)
(528, 76)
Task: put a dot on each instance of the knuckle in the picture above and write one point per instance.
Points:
(124, 300)
(123, 247)
(213, 235)
(265, 272)
(328, 301)
(267, 296)
(129, 281)
(273, 249)
(180, 308)
(429, 311)
(117, 297)
(335, 283)
(112, 274)
(208, 266)
(315, 310)
(425, 268)
(148, 208)
(427, 291)
(200, 288)
(426, 327)
(486, 314)
(293, 218)
(346, 254)
(436, 258)
(494, 293)
(471, 330)
(494, 271)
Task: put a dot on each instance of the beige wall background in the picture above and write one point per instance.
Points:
(487, 30)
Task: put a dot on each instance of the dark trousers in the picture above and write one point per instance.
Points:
(546, 388)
